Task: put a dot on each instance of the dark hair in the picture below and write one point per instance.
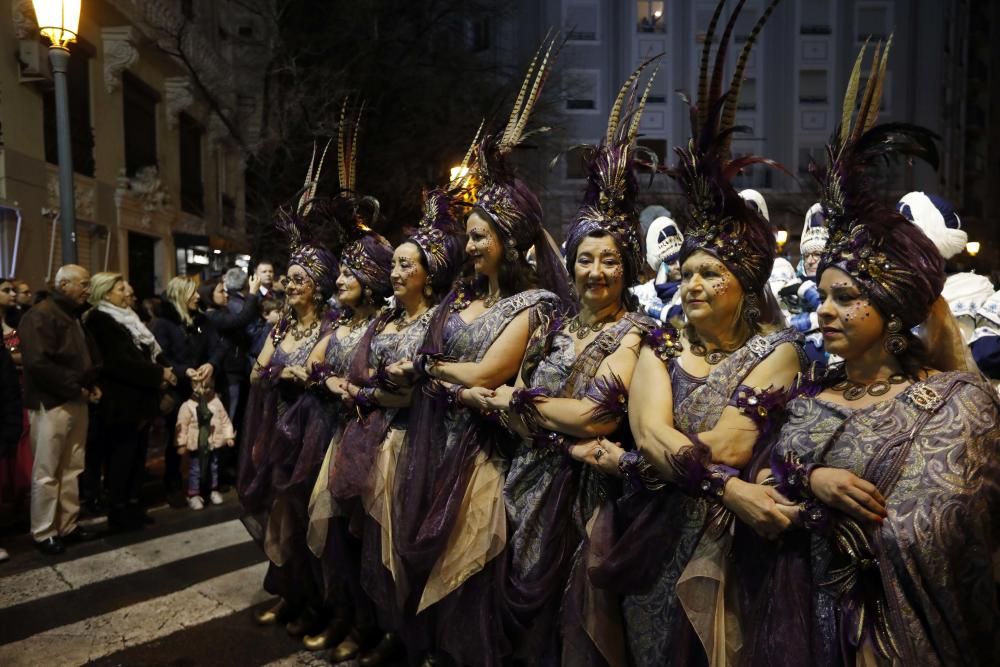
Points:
(269, 304)
(441, 283)
(512, 277)
(630, 275)
(206, 290)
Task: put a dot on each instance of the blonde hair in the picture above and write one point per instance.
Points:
(102, 283)
(179, 290)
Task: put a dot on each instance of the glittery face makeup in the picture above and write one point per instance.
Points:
(810, 263)
(299, 287)
(408, 273)
(598, 272)
(484, 246)
(850, 324)
(349, 288)
(709, 290)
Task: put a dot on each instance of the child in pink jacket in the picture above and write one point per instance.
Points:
(202, 427)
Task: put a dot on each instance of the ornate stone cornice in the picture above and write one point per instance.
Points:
(84, 195)
(25, 24)
(178, 96)
(147, 188)
(120, 53)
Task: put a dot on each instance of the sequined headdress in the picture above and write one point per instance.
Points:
(300, 222)
(720, 221)
(609, 201)
(892, 261)
(513, 207)
(367, 253)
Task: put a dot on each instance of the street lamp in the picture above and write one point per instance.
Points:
(59, 20)
(781, 236)
(972, 247)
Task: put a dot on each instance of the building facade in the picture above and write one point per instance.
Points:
(790, 99)
(163, 104)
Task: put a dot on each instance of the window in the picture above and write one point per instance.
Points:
(81, 133)
(192, 190)
(651, 16)
(815, 18)
(228, 212)
(140, 123)
(748, 96)
(581, 90)
(812, 87)
(582, 21)
(481, 34)
(872, 22)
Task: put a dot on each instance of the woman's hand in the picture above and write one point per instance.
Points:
(762, 508)
(336, 386)
(845, 491)
(500, 400)
(600, 453)
(401, 372)
(254, 284)
(294, 373)
(477, 398)
(200, 374)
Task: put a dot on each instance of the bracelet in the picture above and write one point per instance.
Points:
(814, 516)
(523, 404)
(320, 373)
(552, 440)
(792, 476)
(638, 472)
(365, 399)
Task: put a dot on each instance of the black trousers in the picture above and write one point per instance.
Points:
(126, 445)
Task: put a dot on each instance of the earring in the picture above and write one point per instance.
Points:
(428, 290)
(895, 342)
(368, 295)
(751, 308)
(510, 252)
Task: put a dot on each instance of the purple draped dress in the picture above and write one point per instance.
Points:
(920, 587)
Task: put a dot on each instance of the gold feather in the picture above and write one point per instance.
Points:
(614, 116)
(354, 145)
(706, 52)
(540, 76)
(633, 131)
(341, 132)
(866, 98)
(880, 83)
(736, 85)
(851, 95)
(515, 113)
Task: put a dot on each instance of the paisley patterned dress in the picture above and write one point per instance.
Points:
(919, 588)
(549, 496)
(659, 531)
(453, 524)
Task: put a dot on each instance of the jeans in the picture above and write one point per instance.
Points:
(194, 473)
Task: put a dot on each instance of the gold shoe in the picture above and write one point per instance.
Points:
(332, 636)
(273, 615)
(346, 650)
(306, 623)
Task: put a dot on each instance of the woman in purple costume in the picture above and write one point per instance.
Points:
(573, 385)
(449, 522)
(894, 454)
(703, 419)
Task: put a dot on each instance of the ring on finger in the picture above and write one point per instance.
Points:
(598, 454)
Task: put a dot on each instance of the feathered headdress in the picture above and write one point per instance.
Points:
(513, 207)
(300, 221)
(612, 188)
(367, 253)
(439, 233)
(721, 222)
(893, 262)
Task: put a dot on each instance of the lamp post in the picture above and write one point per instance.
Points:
(58, 20)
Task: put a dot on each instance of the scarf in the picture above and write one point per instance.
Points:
(128, 318)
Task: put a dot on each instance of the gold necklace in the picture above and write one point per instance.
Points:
(576, 325)
(402, 324)
(299, 333)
